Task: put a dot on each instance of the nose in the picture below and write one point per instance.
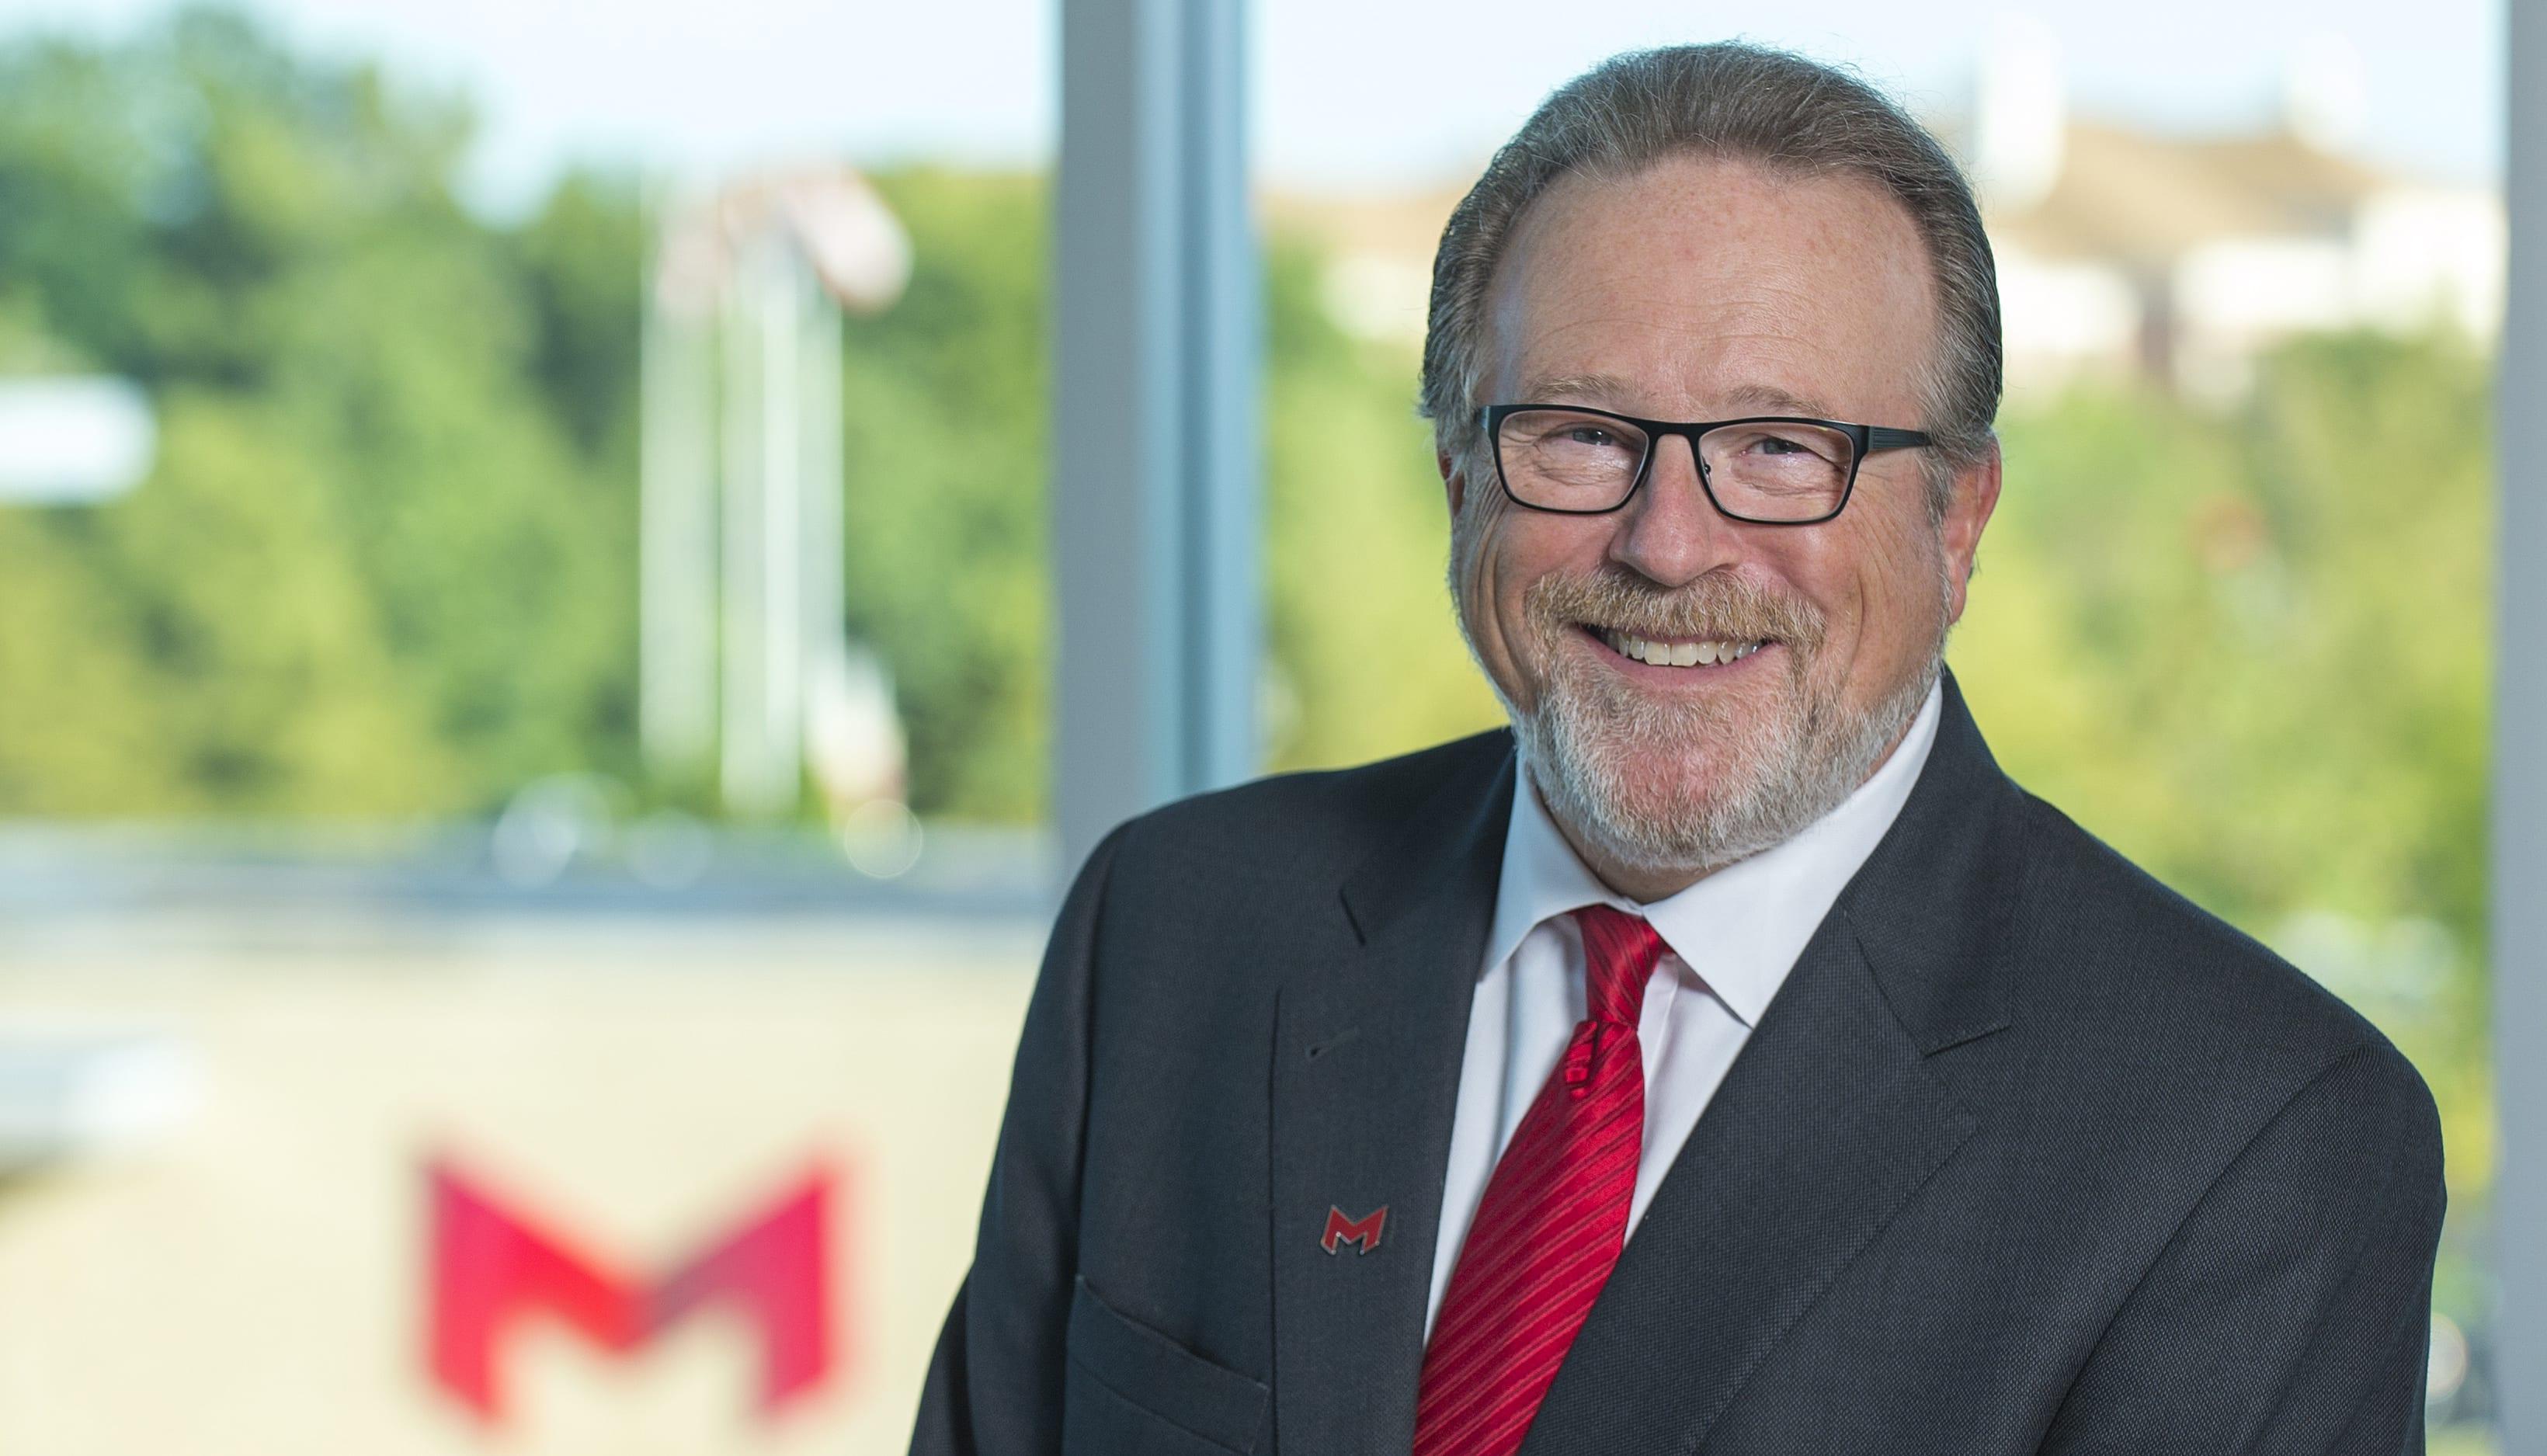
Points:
(1671, 533)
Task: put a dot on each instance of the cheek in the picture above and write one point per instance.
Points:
(1475, 548)
(1896, 593)
(1865, 583)
(1481, 580)
(1509, 558)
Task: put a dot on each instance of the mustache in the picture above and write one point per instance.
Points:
(1725, 608)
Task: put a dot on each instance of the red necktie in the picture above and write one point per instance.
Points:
(1553, 1216)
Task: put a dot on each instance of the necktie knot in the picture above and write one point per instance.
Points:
(1620, 953)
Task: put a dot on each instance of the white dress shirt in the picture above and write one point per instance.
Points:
(1732, 937)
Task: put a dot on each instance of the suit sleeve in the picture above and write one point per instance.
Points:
(2290, 1312)
(995, 1384)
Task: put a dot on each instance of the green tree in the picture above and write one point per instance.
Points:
(382, 565)
(1366, 654)
(945, 405)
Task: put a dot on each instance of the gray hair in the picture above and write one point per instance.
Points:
(1789, 114)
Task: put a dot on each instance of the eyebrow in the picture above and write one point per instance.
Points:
(1566, 388)
(1605, 391)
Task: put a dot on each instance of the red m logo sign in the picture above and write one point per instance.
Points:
(1361, 1231)
(491, 1266)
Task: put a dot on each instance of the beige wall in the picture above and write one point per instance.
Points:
(250, 1286)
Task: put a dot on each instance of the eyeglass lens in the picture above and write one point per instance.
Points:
(1564, 460)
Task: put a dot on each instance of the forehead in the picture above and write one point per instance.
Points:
(1702, 283)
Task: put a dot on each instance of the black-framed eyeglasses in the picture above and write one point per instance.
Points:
(1772, 470)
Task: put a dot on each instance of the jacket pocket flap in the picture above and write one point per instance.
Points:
(1162, 1377)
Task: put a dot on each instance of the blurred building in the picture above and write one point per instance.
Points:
(2121, 252)
(2180, 258)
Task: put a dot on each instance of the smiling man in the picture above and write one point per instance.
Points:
(1728, 1057)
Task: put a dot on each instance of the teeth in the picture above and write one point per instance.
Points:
(1677, 654)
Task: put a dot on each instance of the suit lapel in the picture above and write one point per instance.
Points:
(1367, 1061)
(1829, 1120)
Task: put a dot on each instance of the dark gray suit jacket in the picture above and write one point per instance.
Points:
(2028, 1153)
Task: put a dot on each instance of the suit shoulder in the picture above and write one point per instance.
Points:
(1322, 816)
(2132, 960)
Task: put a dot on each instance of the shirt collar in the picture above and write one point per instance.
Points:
(1740, 928)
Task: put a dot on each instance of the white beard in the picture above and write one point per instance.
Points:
(1593, 765)
(1665, 787)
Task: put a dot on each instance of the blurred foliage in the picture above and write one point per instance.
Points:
(946, 398)
(1366, 658)
(382, 566)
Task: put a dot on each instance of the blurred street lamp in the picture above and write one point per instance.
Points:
(742, 535)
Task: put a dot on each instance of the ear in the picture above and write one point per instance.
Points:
(1967, 512)
(1454, 482)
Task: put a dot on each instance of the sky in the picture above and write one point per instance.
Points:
(1349, 95)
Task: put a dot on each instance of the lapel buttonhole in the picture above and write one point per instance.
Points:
(1320, 1049)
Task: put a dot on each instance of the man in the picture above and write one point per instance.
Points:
(1729, 1057)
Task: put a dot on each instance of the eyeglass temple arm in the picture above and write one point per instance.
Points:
(1880, 438)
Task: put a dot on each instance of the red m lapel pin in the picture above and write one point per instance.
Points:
(1364, 1233)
